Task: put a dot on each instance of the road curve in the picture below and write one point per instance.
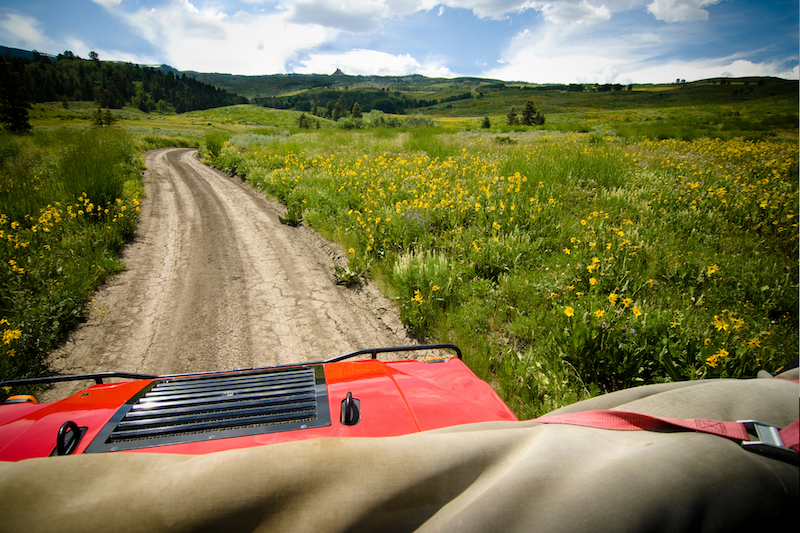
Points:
(215, 282)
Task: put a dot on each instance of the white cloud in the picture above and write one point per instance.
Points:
(81, 49)
(570, 41)
(550, 56)
(370, 62)
(361, 16)
(108, 3)
(708, 68)
(680, 10)
(575, 13)
(791, 74)
(23, 31)
(208, 40)
(554, 55)
(365, 15)
(557, 11)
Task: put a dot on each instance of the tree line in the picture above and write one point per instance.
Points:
(67, 77)
(324, 100)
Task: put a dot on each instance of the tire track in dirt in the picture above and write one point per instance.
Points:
(215, 282)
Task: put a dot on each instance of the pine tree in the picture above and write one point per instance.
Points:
(97, 118)
(528, 113)
(13, 102)
(511, 118)
(108, 118)
(531, 116)
(486, 123)
(338, 109)
(356, 112)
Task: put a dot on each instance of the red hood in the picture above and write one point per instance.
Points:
(394, 398)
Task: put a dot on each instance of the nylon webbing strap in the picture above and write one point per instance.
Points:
(782, 444)
(791, 435)
(628, 421)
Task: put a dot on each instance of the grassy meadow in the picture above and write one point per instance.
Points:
(564, 264)
(634, 238)
(68, 204)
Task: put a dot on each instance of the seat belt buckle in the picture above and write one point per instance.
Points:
(768, 442)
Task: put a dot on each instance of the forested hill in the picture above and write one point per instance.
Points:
(279, 85)
(67, 77)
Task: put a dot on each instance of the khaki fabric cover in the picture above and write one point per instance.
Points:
(490, 477)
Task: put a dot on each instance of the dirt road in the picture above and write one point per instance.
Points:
(215, 282)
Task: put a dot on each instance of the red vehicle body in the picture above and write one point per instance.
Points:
(209, 412)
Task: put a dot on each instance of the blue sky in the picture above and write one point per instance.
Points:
(554, 41)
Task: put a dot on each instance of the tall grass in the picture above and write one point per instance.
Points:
(564, 264)
(68, 204)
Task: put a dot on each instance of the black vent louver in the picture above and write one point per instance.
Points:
(194, 409)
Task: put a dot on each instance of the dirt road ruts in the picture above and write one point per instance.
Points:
(215, 282)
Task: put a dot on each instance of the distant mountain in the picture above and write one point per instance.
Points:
(166, 69)
(276, 85)
(23, 54)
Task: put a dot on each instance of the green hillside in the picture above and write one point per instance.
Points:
(287, 84)
(68, 78)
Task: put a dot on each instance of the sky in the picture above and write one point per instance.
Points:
(553, 41)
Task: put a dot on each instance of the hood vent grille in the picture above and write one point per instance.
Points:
(194, 409)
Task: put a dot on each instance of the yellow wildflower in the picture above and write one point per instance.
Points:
(569, 311)
(637, 312)
(599, 313)
(613, 298)
(10, 335)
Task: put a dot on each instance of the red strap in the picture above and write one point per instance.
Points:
(628, 421)
(790, 435)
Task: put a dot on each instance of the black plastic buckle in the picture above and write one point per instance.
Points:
(769, 442)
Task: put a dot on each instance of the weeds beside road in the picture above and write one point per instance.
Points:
(564, 264)
(68, 203)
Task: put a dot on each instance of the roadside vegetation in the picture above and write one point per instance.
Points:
(564, 264)
(629, 236)
(68, 203)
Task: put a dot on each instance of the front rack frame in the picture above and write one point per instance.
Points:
(98, 377)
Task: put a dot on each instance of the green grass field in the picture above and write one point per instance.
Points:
(564, 264)
(638, 236)
(68, 203)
